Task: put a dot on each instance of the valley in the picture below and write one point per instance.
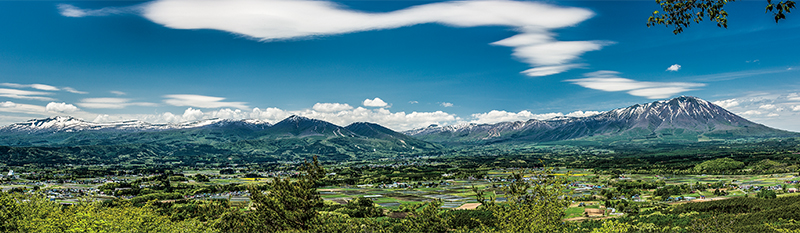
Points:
(679, 165)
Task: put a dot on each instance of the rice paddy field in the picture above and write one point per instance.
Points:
(586, 187)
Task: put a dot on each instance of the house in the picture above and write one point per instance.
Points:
(791, 190)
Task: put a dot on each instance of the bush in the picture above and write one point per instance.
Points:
(156, 196)
(360, 207)
(766, 194)
(469, 218)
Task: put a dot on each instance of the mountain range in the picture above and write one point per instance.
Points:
(66, 139)
(682, 119)
(215, 140)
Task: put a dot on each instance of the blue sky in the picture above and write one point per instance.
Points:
(426, 62)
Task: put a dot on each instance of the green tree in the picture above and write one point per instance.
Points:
(32, 213)
(721, 165)
(360, 207)
(681, 14)
(287, 205)
(535, 203)
(427, 219)
(766, 194)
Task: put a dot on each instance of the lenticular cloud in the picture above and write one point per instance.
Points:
(268, 20)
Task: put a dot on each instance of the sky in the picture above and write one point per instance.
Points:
(401, 64)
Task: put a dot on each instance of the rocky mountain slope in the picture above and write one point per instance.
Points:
(680, 119)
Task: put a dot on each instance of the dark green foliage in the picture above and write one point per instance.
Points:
(32, 213)
(201, 178)
(766, 194)
(8, 210)
(427, 219)
(202, 210)
(155, 196)
(360, 207)
(720, 165)
(470, 219)
(287, 205)
(681, 14)
(669, 190)
(745, 212)
(779, 8)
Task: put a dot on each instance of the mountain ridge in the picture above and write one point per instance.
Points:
(680, 118)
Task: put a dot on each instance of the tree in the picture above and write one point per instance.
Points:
(766, 194)
(535, 203)
(288, 205)
(682, 13)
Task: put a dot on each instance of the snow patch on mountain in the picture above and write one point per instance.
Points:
(71, 124)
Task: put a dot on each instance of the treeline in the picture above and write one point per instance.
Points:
(291, 205)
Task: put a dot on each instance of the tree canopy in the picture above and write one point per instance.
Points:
(680, 14)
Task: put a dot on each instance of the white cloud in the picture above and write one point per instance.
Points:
(280, 20)
(716, 77)
(751, 112)
(675, 67)
(72, 90)
(413, 102)
(726, 103)
(22, 94)
(496, 116)
(111, 103)
(192, 114)
(548, 70)
(767, 106)
(42, 87)
(8, 104)
(118, 93)
(582, 113)
(774, 109)
(393, 120)
(60, 107)
(332, 107)
(549, 56)
(102, 118)
(446, 104)
(72, 11)
(28, 109)
(605, 80)
(377, 102)
(200, 101)
(793, 97)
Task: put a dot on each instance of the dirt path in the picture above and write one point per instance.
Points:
(585, 218)
(329, 190)
(701, 200)
(469, 206)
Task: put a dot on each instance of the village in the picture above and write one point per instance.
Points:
(593, 195)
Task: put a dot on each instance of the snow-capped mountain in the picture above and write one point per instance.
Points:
(302, 126)
(71, 124)
(66, 140)
(69, 131)
(681, 118)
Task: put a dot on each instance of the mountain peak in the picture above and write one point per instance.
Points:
(682, 117)
(301, 126)
(50, 122)
(296, 118)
